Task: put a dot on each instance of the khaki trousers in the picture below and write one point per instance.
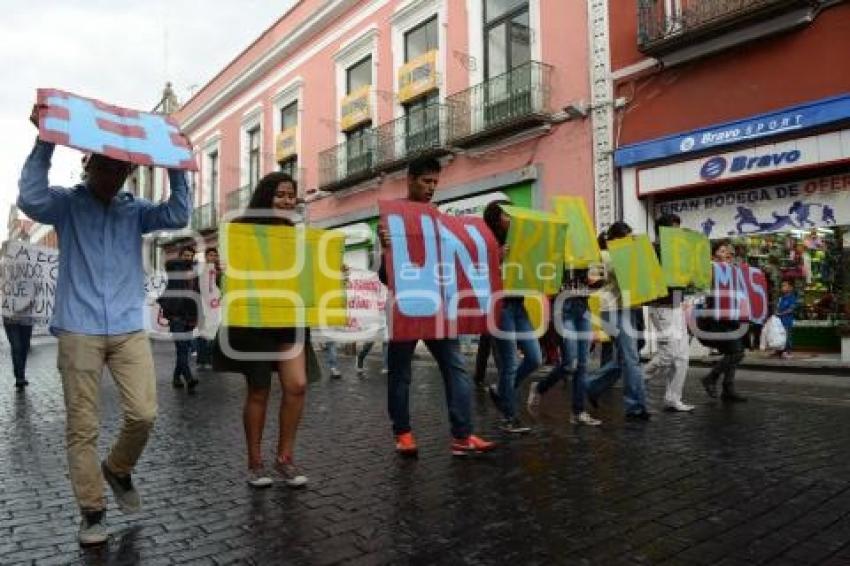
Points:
(81, 360)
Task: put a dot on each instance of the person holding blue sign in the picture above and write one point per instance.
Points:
(99, 314)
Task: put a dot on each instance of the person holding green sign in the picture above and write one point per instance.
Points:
(619, 322)
(666, 316)
(514, 331)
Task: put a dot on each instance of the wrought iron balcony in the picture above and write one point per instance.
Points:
(420, 132)
(204, 217)
(238, 199)
(668, 25)
(506, 103)
(348, 163)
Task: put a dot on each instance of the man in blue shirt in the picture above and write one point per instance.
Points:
(99, 313)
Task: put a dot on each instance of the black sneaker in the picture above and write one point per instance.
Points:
(177, 383)
(92, 530)
(514, 426)
(641, 416)
(122, 487)
(21, 384)
(191, 385)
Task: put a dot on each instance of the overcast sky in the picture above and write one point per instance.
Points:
(118, 51)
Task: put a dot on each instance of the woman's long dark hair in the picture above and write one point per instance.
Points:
(263, 197)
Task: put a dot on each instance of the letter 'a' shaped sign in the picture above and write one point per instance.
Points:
(283, 276)
(685, 258)
(89, 125)
(637, 270)
(442, 272)
(582, 249)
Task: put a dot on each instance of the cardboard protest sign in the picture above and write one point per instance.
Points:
(210, 302)
(28, 276)
(535, 258)
(685, 258)
(367, 320)
(582, 249)
(90, 125)
(282, 276)
(738, 293)
(443, 272)
(638, 272)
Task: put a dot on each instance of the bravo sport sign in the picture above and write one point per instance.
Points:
(823, 149)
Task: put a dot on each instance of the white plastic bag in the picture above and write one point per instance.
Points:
(773, 335)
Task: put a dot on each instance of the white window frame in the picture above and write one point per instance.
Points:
(406, 17)
(211, 146)
(251, 119)
(353, 51)
(475, 21)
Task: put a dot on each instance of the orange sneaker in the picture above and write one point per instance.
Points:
(471, 445)
(405, 444)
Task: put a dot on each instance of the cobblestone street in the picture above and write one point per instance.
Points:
(762, 482)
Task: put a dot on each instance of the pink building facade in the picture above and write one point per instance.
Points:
(344, 93)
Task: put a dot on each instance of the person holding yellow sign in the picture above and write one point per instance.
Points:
(514, 331)
(619, 317)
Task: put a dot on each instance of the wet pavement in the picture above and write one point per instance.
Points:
(765, 482)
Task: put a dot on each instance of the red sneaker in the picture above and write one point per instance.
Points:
(471, 445)
(405, 444)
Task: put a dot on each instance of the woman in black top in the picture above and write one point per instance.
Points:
(288, 351)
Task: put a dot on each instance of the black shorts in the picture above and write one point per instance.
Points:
(258, 373)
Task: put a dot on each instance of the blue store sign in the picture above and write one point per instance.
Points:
(794, 119)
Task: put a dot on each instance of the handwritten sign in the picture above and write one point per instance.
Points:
(90, 125)
(155, 323)
(367, 319)
(738, 293)
(535, 258)
(210, 303)
(638, 272)
(443, 272)
(581, 249)
(685, 258)
(28, 276)
(283, 276)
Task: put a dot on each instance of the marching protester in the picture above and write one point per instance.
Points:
(673, 347)
(364, 351)
(727, 336)
(209, 282)
(288, 349)
(422, 177)
(620, 322)
(576, 334)
(332, 359)
(179, 303)
(99, 315)
(514, 331)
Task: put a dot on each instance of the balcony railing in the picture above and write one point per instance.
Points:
(422, 131)
(204, 217)
(347, 163)
(238, 199)
(514, 100)
(664, 25)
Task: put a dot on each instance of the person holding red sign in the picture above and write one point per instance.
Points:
(423, 175)
(726, 331)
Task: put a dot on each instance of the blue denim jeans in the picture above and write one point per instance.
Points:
(331, 355)
(183, 348)
(204, 348)
(19, 336)
(516, 332)
(447, 354)
(620, 325)
(575, 351)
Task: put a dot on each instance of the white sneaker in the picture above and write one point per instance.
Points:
(258, 478)
(678, 407)
(335, 374)
(385, 371)
(533, 402)
(584, 418)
